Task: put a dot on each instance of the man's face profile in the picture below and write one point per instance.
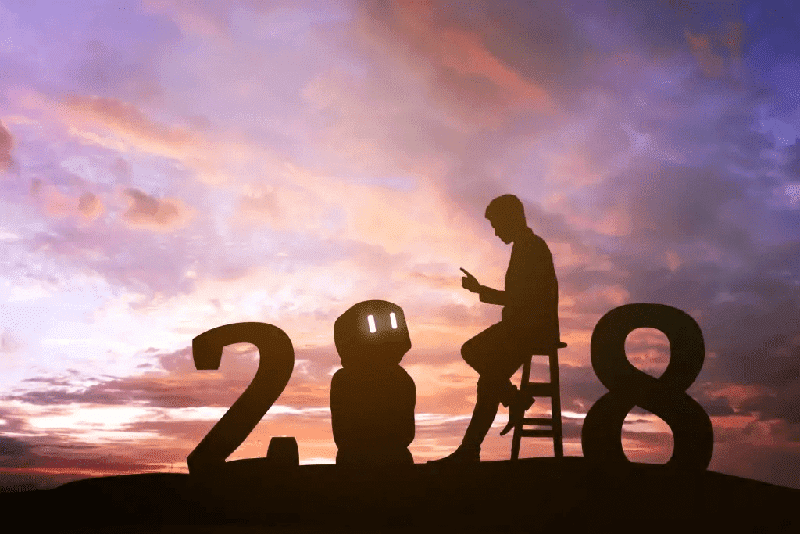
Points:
(502, 229)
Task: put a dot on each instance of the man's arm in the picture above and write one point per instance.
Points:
(492, 296)
(487, 294)
(529, 279)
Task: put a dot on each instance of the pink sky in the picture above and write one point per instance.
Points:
(168, 167)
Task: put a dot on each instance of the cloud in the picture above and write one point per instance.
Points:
(793, 160)
(33, 454)
(206, 19)
(145, 211)
(710, 50)
(90, 205)
(167, 409)
(11, 449)
(9, 344)
(476, 59)
(178, 384)
(770, 407)
(127, 119)
(524, 50)
(35, 460)
(673, 203)
(6, 144)
(217, 18)
(87, 206)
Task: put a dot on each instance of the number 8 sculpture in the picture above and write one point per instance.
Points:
(665, 396)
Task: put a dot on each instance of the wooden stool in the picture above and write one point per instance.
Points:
(541, 389)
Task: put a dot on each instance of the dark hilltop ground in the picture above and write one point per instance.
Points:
(529, 495)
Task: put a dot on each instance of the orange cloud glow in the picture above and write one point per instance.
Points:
(145, 211)
(706, 48)
(87, 206)
(456, 63)
(126, 118)
(465, 53)
(6, 144)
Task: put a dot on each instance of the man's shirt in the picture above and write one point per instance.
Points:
(530, 298)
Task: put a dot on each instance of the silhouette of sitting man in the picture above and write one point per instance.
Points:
(372, 397)
(529, 321)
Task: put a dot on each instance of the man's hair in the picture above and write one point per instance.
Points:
(506, 207)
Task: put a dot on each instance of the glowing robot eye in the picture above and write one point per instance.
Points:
(394, 320)
(371, 321)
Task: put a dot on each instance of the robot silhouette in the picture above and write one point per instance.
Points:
(372, 397)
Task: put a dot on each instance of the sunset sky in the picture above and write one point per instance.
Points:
(170, 166)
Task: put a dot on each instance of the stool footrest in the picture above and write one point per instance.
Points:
(536, 432)
(538, 389)
(537, 421)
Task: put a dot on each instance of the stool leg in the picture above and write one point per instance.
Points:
(515, 440)
(558, 447)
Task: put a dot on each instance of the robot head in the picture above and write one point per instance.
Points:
(372, 333)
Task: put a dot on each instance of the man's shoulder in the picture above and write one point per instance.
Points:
(533, 242)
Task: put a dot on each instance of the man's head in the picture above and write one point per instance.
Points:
(507, 217)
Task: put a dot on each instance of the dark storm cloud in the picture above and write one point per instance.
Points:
(738, 259)
(664, 25)
(750, 312)
(772, 407)
(14, 482)
(757, 344)
(676, 204)
(793, 161)
(580, 387)
(716, 407)
(56, 451)
(43, 453)
(11, 450)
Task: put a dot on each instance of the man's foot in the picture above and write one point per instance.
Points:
(462, 455)
(516, 411)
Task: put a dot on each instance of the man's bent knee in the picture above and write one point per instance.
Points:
(471, 356)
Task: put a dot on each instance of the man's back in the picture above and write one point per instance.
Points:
(530, 298)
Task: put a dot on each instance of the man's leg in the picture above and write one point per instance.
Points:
(491, 353)
(487, 353)
(489, 393)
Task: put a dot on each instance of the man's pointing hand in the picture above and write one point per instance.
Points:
(470, 282)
